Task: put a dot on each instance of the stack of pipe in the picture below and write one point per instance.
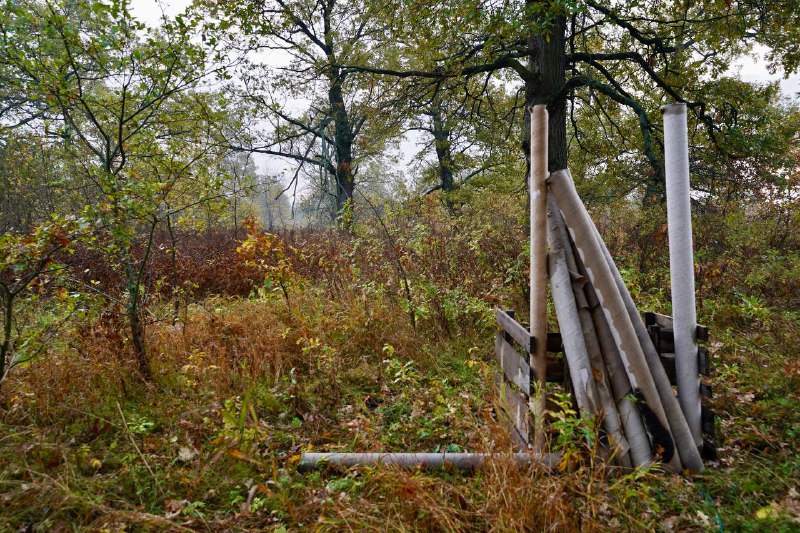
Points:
(614, 368)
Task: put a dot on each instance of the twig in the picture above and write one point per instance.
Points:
(141, 455)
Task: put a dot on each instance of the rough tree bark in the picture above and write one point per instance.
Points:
(548, 63)
(343, 137)
(444, 155)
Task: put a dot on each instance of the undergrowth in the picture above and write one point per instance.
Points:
(383, 340)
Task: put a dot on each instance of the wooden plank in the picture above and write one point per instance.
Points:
(516, 369)
(554, 343)
(651, 319)
(709, 450)
(668, 362)
(518, 442)
(518, 332)
(703, 363)
(654, 332)
(702, 334)
(520, 335)
(555, 369)
(665, 322)
(707, 416)
(514, 406)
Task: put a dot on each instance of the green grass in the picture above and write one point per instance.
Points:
(200, 452)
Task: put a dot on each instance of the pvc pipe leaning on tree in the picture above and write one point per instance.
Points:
(640, 450)
(538, 265)
(586, 362)
(681, 265)
(690, 455)
(569, 324)
(310, 461)
(582, 230)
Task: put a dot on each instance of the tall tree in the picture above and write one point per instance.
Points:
(305, 43)
(130, 115)
(470, 127)
(635, 54)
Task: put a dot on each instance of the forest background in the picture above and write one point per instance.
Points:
(249, 230)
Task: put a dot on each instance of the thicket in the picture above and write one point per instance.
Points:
(381, 339)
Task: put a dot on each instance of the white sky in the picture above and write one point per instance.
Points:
(753, 68)
(151, 11)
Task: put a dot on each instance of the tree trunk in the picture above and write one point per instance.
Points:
(5, 347)
(343, 139)
(173, 257)
(548, 64)
(135, 320)
(444, 155)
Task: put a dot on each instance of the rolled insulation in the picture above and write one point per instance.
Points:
(559, 241)
(690, 455)
(569, 323)
(640, 450)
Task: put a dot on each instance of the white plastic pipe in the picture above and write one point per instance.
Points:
(310, 461)
(582, 231)
(569, 323)
(538, 262)
(690, 455)
(681, 265)
(640, 450)
(585, 362)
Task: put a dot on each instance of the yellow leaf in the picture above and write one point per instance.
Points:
(765, 513)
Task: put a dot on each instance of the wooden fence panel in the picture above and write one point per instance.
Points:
(516, 369)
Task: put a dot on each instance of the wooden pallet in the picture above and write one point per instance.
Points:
(660, 329)
(514, 344)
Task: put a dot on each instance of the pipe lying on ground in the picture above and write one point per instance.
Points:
(462, 461)
(582, 230)
(690, 455)
(681, 265)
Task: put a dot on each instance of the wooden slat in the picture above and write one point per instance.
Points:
(702, 334)
(555, 369)
(666, 340)
(514, 406)
(554, 344)
(518, 442)
(516, 369)
(704, 366)
(668, 362)
(707, 416)
(709, 450)
(521, 335)
(651, 318)
(665, 322)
